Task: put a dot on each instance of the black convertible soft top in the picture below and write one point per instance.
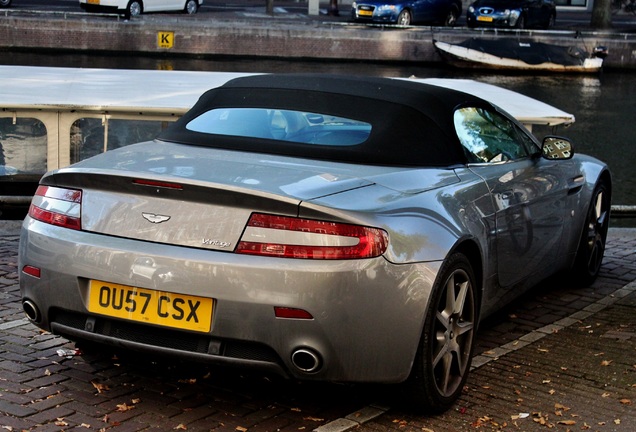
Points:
(412, 123)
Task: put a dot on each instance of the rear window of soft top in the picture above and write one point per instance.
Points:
(282, 125)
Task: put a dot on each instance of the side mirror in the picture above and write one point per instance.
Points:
(557, 148)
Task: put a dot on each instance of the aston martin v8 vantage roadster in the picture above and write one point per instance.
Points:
(314, 226)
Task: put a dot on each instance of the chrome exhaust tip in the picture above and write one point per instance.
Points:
(31, 310)
(306, 360)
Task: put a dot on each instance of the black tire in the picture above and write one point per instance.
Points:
(5, 3)
(404, 18)
(134, 8)
(191, 7)
(550, 23)
(589, 255)
(521, 22)
(451, 17)
(443, 360)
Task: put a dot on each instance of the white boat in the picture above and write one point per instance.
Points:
(521, 55)
(53, 117)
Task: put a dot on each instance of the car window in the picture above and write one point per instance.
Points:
(488, 136)
(282, 125)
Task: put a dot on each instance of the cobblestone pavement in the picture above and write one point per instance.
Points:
(561, 358)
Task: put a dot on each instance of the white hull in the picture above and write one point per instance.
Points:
(476, 58)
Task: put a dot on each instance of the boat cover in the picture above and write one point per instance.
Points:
(529, 52)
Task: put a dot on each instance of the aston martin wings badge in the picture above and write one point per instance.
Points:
(155, 218)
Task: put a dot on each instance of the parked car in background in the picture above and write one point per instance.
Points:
(407, 12)
(512, 13)
(137, 7)
(5, 3)
(275, 226)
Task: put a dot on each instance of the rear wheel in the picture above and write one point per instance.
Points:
(451, 18)
(443, 359)
(191, 7)
(5, 3)
(404, 18)
(134, 8)
(551, 21)
(589, 255)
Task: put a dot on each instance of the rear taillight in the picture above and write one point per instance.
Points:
(289, 237)
(57, 206)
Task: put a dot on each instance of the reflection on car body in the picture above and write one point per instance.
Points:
(341, 229)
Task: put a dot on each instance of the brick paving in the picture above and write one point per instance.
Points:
(562, 357)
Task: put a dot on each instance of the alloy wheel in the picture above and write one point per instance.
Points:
(453, 333)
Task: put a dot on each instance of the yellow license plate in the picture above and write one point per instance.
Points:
(92, 1)
(484, 18)
(150, 306)
(365, 13)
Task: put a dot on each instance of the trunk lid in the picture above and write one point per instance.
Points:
(201, 197)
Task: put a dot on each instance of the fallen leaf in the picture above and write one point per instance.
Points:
(626, 401)
(315, 419)
(181, 426)
(552, 391)
(617, 421)
(100, 387)
(567, 422)
(123, 407)
(605, 395)
(85, 425)
(135, 401)
(47, 372)
(606, 362)
(543, 350)
(241, 429)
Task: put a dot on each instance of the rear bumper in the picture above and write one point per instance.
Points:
(367, 314)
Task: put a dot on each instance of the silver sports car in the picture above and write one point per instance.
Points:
(318, 227)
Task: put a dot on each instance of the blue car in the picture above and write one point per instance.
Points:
(512, 13)
(407, 12)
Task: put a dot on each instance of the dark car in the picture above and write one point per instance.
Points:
(511, 13)
(407, 12)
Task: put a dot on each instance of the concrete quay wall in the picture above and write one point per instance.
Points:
(274, 38)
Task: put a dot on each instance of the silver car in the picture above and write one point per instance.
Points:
(318, 227)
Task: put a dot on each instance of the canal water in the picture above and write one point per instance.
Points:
(604, 105)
